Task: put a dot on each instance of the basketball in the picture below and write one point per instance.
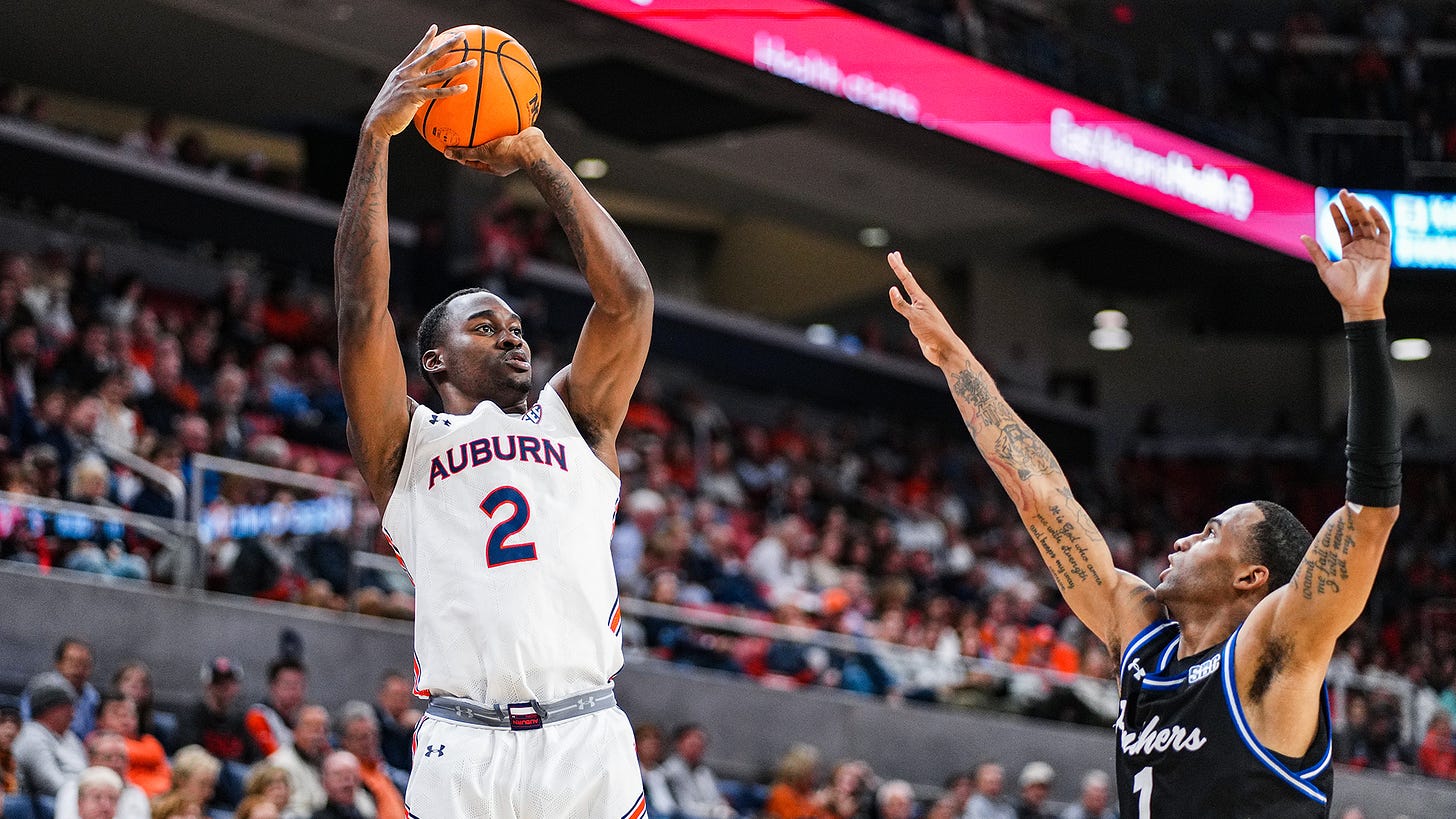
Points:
(504, 96)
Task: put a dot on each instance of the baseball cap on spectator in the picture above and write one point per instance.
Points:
(221, 668)
(1037, 773)
(47, 695)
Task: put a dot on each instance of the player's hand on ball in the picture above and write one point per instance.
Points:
(501, 157)
(937, 340)
(408, 86)
(1359, 279)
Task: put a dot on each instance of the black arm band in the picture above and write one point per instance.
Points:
(1372, 450)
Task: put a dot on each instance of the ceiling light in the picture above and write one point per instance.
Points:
(821, 335)
(1410, 349)
(1110, 338)
(874, 237)
(591, 168)
(1111, 332)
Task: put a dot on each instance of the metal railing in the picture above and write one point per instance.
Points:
(175, 537)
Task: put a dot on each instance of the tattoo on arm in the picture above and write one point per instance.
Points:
(1063, 540)
(557, 190)
(357, 237)
(1324, 567)
(1016, 446)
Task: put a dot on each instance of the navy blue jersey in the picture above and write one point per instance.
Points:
(1184, 748)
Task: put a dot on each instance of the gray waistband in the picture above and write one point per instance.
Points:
(521, 716)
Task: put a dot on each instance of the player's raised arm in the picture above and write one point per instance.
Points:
(370, 365)
(1114, 604)
(1332, 584)
(598, 384)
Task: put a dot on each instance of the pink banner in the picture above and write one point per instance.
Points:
(900, 75)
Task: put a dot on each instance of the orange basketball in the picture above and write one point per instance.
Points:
(504, 96)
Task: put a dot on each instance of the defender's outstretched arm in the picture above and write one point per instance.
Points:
(1114, 604)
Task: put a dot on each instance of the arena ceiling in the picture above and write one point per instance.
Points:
(780, 151)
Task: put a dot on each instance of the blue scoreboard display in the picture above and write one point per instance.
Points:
(1423, 225)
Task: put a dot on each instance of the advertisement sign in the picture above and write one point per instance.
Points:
(886, 70)
(1422, 226)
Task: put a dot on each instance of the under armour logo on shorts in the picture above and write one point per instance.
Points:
(434, 750)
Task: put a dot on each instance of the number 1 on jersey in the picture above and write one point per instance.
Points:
(497, 551)
(1142, 785)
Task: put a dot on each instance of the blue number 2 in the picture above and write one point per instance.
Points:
(497, 552)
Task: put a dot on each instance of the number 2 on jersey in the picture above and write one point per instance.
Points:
(497, 551)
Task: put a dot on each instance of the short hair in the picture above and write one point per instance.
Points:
(283, 664)
(109, 698)
(432, 329)
(262, 776)
(192, 761)
(98, 777)
(353, 711)
(892, 789)
(1278, 542)
(67, 642)
(686, 728)
(1096, 779)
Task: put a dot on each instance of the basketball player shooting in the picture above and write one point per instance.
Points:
(1223, 707)
(500, 509)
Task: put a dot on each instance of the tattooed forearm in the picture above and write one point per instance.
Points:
(1015, 446)
(1065, 547)
(359, 247)
(1325, 567)
(557, 190)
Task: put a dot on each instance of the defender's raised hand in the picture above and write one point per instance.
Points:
(938, 341)
(410, 85)
(1359, 279)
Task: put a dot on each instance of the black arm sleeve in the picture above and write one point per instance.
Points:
(1372, 449)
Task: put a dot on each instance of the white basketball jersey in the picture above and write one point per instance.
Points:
(504, 523)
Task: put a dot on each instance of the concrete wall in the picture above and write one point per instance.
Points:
(751, 726)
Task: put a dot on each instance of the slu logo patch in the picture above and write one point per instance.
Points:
(1204, 669)
(434, 750)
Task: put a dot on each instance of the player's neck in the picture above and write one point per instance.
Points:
(1204, 625)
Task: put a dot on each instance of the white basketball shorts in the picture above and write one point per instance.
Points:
(581, 768)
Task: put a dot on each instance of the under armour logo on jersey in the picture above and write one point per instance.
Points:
(437, 419)
(586, 702)
(434, 750)
(1137, 670)
(533, 415)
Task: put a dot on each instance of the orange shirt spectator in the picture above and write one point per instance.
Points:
(792, 795)
(149, 769)
(1437, 756)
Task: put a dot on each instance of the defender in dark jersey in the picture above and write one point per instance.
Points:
(1222, 666)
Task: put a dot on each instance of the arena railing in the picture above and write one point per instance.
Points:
(81, 521)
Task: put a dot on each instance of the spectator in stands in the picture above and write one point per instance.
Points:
(72, 672)
(643, 510)
(271, 721)
(214, 722)
(133, 678)
(269, 783)
(303, 760)
(341, 784)
(153, 140)
(224, 410)
(256, 807)
(194, 781)
(106, 749)
(11, 802)
(171, 397)
(1036, 784)
(397, 716)
(359, 735)
(792, 795)
(148, 769)
(989, 799)
(47, 752)
(98, 793)
(1096, 799)
(693, 785)
(850, 793)
(660, 801)
(1437, 756)
(896, 800)
(118, 424)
